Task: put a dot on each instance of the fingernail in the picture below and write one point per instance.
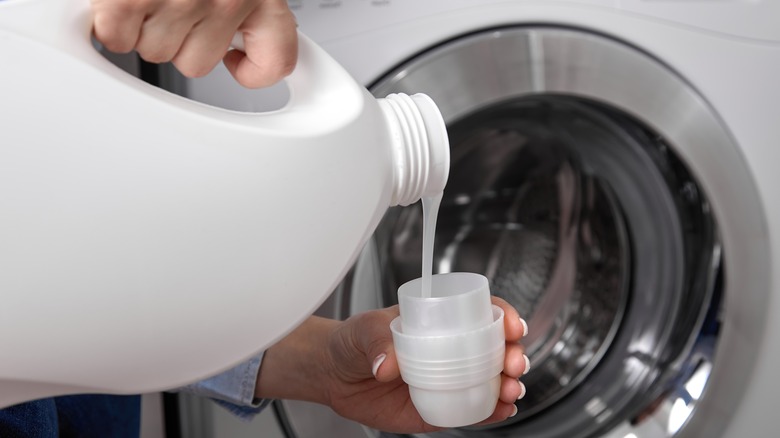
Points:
(527, 364)
(377, 363)
(514, 411)
(525, 327)
(522, 391)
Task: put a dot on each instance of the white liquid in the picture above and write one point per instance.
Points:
(430, 213)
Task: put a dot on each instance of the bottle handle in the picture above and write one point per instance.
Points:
(316, 75)
(67, 25)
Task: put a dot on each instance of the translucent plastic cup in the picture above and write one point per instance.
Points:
(450, 348)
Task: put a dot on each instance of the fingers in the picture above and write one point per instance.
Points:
(117, 23)
(206, 44)
(514, 327)
(164, 30)
(511, 389)
(516, 363)
(195, 35)
(503, 411)
(271, 44)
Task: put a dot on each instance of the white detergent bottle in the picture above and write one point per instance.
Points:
(148, 241)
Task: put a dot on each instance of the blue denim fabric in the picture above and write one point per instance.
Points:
(37, 419)
(233, 389)
(74, 416)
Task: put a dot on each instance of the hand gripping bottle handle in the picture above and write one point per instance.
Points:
(67, 26)
(148, 240)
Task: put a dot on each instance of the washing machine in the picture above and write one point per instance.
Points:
(613, 175)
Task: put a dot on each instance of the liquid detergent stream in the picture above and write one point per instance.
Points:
(430, 214)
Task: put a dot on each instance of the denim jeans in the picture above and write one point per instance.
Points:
(74, 416)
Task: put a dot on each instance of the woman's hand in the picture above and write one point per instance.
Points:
(351, 367)
(196, 34)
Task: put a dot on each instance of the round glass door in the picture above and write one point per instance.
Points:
(587, 200)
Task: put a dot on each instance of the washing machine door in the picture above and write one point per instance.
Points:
(601, 196)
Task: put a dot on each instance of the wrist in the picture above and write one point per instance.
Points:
(296, 367)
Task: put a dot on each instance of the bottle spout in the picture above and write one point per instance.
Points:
(438, 145)
(421, 147)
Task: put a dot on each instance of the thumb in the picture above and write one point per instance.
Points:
(378, 345)
(271, 44)
(385, 365)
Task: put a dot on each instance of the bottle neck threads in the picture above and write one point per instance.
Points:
(420, 146)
